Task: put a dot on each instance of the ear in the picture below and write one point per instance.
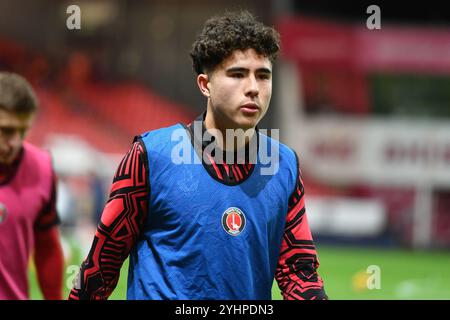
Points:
(202, 82)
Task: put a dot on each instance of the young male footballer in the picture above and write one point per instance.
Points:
(28, 217)
(197, 209)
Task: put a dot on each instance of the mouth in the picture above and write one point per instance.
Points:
(250, 108)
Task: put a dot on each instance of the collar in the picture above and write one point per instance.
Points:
(202, 139)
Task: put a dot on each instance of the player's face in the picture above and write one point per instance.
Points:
(13, 128)
(239, 91)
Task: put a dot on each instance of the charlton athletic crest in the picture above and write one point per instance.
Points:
(3, 213)
(233, 221)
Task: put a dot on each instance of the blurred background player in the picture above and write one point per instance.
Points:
(182, 243)
(28, 217)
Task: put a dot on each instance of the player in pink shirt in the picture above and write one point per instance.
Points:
(28, 217)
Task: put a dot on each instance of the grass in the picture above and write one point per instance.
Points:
(403, 274)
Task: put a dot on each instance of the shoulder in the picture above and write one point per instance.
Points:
(36, 156)
(163, 138)
(161, 132)
(286, 153)
(34, 151)
(37, 167)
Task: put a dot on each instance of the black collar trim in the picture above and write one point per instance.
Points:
(228, 174)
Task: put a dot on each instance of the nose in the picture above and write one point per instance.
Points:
(252, 87)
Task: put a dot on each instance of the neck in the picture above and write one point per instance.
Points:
(233, 138)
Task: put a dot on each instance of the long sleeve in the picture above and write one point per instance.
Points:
(296, 272)
(49, 261)
(48, 253)
(118, 229)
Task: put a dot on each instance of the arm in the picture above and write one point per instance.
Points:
(118, 229)
(48, 253)
(296, 272)
(49, 261)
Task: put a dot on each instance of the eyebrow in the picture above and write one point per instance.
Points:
(240, 69)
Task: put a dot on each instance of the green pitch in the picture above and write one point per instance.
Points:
(402, 274)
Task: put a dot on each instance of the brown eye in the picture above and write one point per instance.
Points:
(237, 75)
(264, 76)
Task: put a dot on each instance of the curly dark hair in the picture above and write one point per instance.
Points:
(221, 35)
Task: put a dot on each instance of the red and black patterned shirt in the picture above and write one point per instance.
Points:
(126, 210)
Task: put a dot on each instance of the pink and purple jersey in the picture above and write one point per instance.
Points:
(27, 204)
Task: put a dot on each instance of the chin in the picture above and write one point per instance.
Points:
(4, 162)
(248, 123)
(7, 160)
